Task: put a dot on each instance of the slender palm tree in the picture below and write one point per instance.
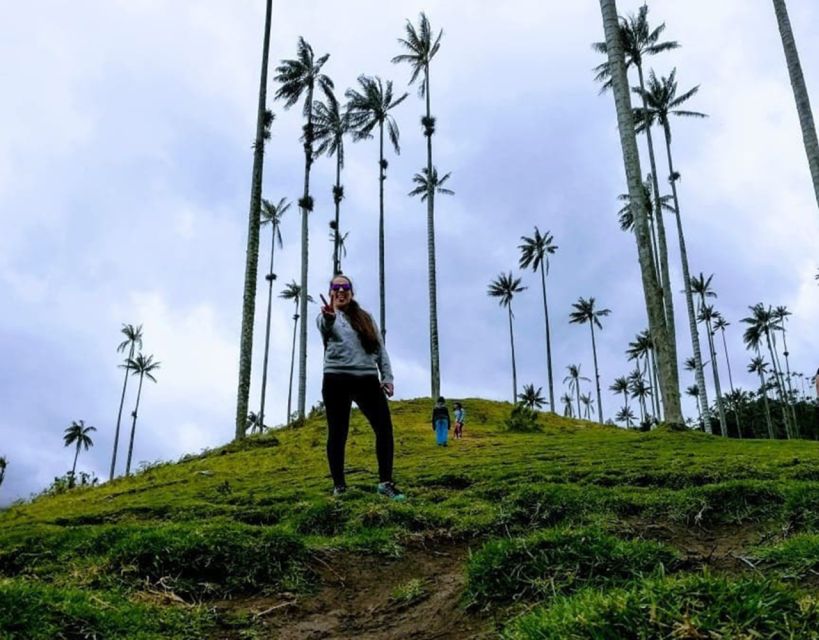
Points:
(535, 252)
(330, 126)
(504, 287)
(292, 292)
(298, 77)
(142, 366)
(3, 464)
(532, 397)
(700, 286)
(78, 434)
(639, 40)
(588, 404)
(626, 218)
(339, 241)
(800, 92)
(254, 423)
(585, 313)
(780, 315)
(272, 215)
(643, 347)
(660, 101)
(264, 119)
(720, 324)
(368, 108)
(620, 385)
(568, 410)
(133, 340)
(694, 392)
(574, 379)
(760, 367)
(661, 330)
(625, 415)
(640, 390)
(420, 46)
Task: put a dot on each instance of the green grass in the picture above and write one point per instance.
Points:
(250, 516)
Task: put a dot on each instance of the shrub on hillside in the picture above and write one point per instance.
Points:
(522, 419)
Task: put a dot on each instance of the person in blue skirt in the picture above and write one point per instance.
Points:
(441, 422)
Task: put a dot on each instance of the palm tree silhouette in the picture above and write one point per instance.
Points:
(626, 216)
(574, 379)
(566, 400)
(585, 313)
(367, 109)
(760, 367)
(271, 215)
(330, 126)
(504, 287)
(292, 292)
(720, 324)
(660, 101)
(264, 119)
(300, 77)
(340, 243)
(661, 329)
(620, 385)
(701, 287)
(780, 315)
(142, 366)
(421, 45)
(800, 92)
(535, 252)
(133, 340)
(588, 403)
(625, 415)
(643, 347)
(639, 390)
(531, 397)
(78, 434)
(694, 392)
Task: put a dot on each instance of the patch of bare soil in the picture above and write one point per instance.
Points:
(355, 600)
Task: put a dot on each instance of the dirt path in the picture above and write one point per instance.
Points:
(355, 600)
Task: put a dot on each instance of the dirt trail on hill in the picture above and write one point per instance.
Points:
(355, 600)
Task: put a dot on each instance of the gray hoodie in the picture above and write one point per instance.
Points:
(344, 352)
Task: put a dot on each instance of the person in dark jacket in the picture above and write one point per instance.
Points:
(356, 368)
(440, 422)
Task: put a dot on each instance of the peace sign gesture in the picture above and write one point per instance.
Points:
(328, 309)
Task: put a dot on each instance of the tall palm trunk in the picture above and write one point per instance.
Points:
(434, 357)
(306, 207)
(699, 372)
(548, 339)
(779, 388)
(666, 351)
(382, 175)
(252, 257)
(133, 427)
(76, 455)
(731, 382)
(270, 277)
(337, 202)
(119, 415)
(514, 367)
(788, 378)
(596, 374)
(723, 423)
(653, 382)
(800, 92)
(292, 363)
(764, 390)
(625, 398)
(577, 392)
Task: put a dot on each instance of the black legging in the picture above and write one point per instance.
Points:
(339, 391)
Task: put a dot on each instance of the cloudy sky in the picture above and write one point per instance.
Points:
(124, 187)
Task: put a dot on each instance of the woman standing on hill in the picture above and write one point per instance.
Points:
(356, 368)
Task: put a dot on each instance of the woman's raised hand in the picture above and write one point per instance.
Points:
(327, 309)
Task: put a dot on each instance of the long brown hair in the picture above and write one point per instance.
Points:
(361, 321)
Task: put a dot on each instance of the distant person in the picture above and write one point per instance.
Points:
(460, 414)
(440, 422)
(356, 368)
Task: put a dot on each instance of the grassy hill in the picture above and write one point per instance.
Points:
(575, 531)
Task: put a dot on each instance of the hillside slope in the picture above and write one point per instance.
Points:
(561, 533)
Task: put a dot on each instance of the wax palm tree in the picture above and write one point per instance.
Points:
(78, 434)
(568, 410)
(300, 77)
(254, 423)
(420, 46)
(3, 464)
(588, 405)
(504, 287)
(626, 217)
(585, 313)
(620, 385)
(694, 392)
(760, 367)
(133, 340)
(535, 252)
(330, 125)
(339, 241)
(574, 379)
(264, 119)
(292, 292)
(643, 347)
(639, 40)
(800, 92)
(661, 329)
(531, 397)
(625, 415)
(660, 101)
(640, 391)
(370, 108)
(271, 215)
(144, 367)
(761, 323)
(780, 315)
(720, 324)
(700, 286)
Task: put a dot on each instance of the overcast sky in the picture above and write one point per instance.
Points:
(125, 165)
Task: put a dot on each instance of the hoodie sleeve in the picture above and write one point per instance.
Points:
(325, 325)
